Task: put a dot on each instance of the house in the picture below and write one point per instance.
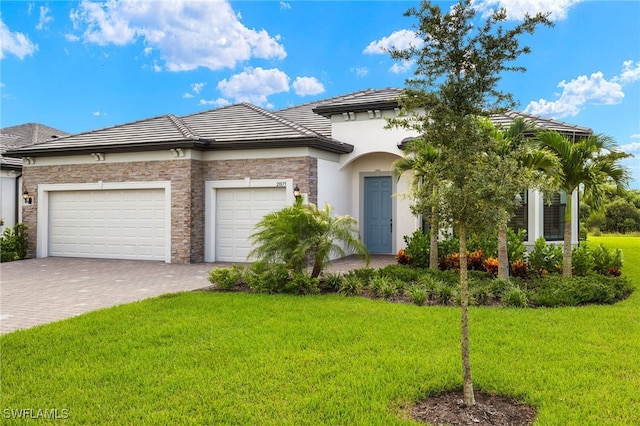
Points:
(11, 168)
(190, 189)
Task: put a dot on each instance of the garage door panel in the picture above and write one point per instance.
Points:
(238, 210)
(116, 224)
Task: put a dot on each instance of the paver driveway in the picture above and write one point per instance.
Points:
(39, 291)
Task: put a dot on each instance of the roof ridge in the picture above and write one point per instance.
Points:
(288, 123)
(182, 126)
(548, 119)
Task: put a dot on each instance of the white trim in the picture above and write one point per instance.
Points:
(210, 205)
(42, 247)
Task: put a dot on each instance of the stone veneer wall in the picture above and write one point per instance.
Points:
(176, 171)
(187, 189)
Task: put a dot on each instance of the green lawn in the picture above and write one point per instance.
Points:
(221, 358)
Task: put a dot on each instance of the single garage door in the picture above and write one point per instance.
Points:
(237, 212)
(110, 224)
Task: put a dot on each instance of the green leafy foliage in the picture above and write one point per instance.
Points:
(554, 291)
(14, 243)
(606, 261)
(515, 297)
(227, 278)
(545, 257)
(353, 285)
(302, 234)
(418, 247)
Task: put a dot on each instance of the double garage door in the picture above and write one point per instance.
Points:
(109, 224)
(132, 223)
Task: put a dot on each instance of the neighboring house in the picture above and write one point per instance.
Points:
(11, 168)
(190, 189)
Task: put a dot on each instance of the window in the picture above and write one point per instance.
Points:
(520, 219)
(554, 217)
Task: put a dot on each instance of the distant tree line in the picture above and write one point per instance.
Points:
(619, 214)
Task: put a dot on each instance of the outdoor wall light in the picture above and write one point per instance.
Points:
(296, 192)
(27, 197)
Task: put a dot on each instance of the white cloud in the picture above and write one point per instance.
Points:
(220, 102)
(360, 71)
(99, 114)
(44, 18)
(254, 85)
(517, 9)
(284, 5)
(304, 86)
(197, 87)
(15, 43)
(187, 34)
(630, 73)
(402, 39)
(593, 90)
(187, 95)
(582, 91)
(631, 148)
(401, 67)
(635, 136)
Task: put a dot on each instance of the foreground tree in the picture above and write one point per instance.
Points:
(302, 234)
(456, 81)
(592, 162)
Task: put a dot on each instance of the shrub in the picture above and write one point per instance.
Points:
(475, 260)
(302, 283)
(363, 274)
(404, 258)
(582, 260)
(418, 248)
(604, 259)
(491, 265)
(545, 257)
(480, 292)
(351, 286)
(448, 245)
(452, 261)
(445, 294)
(515, 297)
(13, 243)
(389, 289)
(417, 294)
(227, 278)
(332, 281)
(400, 272)
(515, 244)
(519, 268)
(553, 291)
(499, 287)
(263, 277)
(429, 283)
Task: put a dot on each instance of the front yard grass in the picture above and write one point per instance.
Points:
(236, 358)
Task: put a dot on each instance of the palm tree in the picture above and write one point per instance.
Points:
(420, 158)
(302, 234)
(536, 165)
(591, 162)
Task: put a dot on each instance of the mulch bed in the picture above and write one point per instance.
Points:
(449, 409)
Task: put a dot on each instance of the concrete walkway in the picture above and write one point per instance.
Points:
(39, 291)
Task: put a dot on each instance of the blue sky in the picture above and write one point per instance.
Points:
(79, 66)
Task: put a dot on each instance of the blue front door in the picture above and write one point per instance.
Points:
(378, 225)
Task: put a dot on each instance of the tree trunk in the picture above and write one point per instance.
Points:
(503, 255)
(433, 234)
(469, 398)
(566, 249)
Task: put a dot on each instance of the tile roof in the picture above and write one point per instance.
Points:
(246, 126)
(233, 127)
(508, 117)
(362, 100)
(22, 135)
